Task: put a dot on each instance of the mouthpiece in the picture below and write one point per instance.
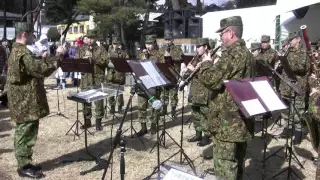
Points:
(303, 27)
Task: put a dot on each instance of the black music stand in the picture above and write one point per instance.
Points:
(169, 74)
(77, 65)
(288, 146)
(121, 65)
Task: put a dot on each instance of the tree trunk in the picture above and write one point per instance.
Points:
(145, 23)
(5, 20)
(123, 37)
(175, 5)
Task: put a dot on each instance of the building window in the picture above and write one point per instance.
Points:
(81, 29)
(75, 29)
(70, 30)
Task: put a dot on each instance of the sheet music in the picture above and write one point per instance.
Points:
(147, 81)
(91, 94)
(174, 174)
(253, 107)
(153, 73)
(267, 95)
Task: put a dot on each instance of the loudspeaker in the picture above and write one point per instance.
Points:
(301, 12)
(179, 28)
(195, 27)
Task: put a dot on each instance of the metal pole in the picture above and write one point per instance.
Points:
(278, 33)
(5, 21)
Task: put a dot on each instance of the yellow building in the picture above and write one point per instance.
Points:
(78, 29)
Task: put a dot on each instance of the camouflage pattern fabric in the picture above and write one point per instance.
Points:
(25, 138)
(199, 118)
(100, 59)
(117, 77)
(171, 92)
(228, 159)
(25, 82)
(142, 99)
(225, 122)
(268, 55)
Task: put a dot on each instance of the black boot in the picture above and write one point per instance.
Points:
(98, 124)
(87, 124)
(143, 130)
(204, 141)
(285, 133)
(197, 137)
(207, 153)
(120, 111)
(112, 109)
(30, 172)
(153, 128)
(297, 139)
(173, 112)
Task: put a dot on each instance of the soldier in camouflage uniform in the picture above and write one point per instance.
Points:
(267, 54)
(99, 57)
(151, 53)
(27, 96)
(114, 76)
(171, 92)
(199, 98)
(297, 59)
(229, 128)
(255, 48)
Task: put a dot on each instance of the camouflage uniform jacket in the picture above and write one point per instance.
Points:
(176, 54)
(25, 83)
(199, 94)
(268, 56)
(226, 123)
(297, 59)
(100, 60)
(113, 75)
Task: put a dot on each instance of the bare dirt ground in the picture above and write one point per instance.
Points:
(54, 146)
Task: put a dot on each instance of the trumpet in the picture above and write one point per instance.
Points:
(184, 82)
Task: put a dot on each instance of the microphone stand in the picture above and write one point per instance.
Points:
(58, 113)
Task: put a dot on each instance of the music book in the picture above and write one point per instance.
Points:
(92, 95)
(254, 96)
(77, 65)
(148, 72)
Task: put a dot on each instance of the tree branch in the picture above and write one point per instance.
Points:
(38, 8)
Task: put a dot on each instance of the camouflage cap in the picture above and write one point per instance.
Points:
(255, 46)
(293, 35)
(92, 34)
(212, 43)
(116, 40)
(168, 36)
(265, 38)
(23, 27)
(202, 41)
(230, 21)
(151, 38)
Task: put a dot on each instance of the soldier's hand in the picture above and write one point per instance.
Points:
(207, 57)
(167, 53)
(45, 54)
(190, 67)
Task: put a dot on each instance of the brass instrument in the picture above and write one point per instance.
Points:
(190, 77)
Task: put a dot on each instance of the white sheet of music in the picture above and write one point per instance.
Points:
(174, 174)
(91, 94)
(268, 96)
(253, 107)
(147, 81)
(153, 73)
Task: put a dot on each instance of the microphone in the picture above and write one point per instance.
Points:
(154, 103)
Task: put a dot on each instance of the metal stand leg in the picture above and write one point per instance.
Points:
(58, 113)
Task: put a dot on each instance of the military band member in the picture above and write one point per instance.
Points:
(230, 129)
(98, 56)
(267, 54)
(150, 53)
(171, 92)
(199, 97)
(255, 49)
(297, 59)
(114, 76)
(27, 96)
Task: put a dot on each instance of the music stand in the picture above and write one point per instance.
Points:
(121, 65)
(295, 90)
(83, 66)
(187, 59)
(143, 70)
(255, 96)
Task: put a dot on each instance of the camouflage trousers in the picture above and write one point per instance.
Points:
(229, 159)
(199, 117)
(299, 108)
(25, 137)
(87, 110)
(112, 100)
(170, 93)
(143, 107)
